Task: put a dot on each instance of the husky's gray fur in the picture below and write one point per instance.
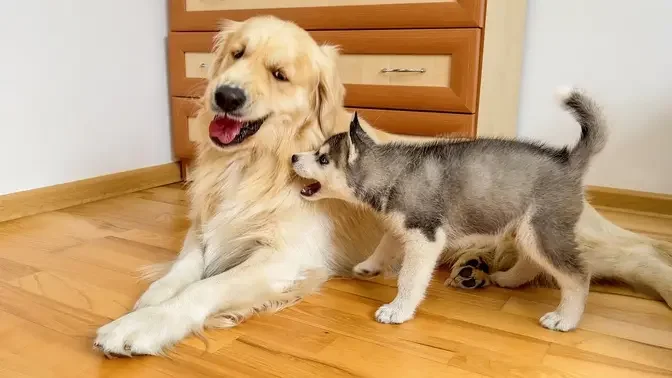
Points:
(435, 195)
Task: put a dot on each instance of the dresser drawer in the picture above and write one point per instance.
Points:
(394, 121)
(205, 15)
(442, 63)
(441, 67)
(183, 113)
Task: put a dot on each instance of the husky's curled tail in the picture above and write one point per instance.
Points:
(593, 127)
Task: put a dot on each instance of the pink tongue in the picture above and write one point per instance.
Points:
(225, 129)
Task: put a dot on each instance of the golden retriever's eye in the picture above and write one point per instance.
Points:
(279, 75)
(323, 159)
(237, 54)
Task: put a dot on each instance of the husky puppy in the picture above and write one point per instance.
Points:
(438, 195)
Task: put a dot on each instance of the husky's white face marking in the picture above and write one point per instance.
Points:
(327, 167)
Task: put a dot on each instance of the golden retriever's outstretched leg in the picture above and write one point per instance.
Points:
(260, 279)
(187, 268)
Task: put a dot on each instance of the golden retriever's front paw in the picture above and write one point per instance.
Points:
(470, 274)
(146, 331)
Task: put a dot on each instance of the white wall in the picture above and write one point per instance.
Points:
(619, 50)
(83, 90)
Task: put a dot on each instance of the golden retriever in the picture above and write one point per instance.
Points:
(254, 243)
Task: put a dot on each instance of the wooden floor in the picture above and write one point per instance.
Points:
(65, 273)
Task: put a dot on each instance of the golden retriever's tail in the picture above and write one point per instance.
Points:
(615, 253)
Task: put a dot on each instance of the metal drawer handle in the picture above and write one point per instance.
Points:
(412, 70)
(202, 65)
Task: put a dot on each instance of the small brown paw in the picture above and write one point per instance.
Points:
(470, 274)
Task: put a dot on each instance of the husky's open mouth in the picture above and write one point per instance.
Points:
(311, 189)
(226, 131)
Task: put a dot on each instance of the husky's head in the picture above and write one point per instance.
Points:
(332, 164)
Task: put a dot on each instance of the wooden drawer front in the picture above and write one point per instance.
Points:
(393, 121)
(189, 58)
(205, 15)
(183, 111)
(449, 59)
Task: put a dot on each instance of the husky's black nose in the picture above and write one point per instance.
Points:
(295, 158)
(229, 98)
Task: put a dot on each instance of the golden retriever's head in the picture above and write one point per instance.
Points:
(270, 83)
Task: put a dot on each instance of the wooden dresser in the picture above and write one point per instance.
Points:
(415, 67)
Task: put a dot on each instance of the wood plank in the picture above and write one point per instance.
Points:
(581, 364)
(76, 294)
(355, 357)
(47, 313)
(128, 213)
(32, 350)
(50, 232)
(10, 270)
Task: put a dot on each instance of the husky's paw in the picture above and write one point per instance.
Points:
(469, 274)
(556, 322)
(156, 294)
(367, 269)
(146, 331)
(393, 314)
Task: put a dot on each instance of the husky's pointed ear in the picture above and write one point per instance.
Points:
(330, 90)
(357, 134)
(226, 28)
(358, 139)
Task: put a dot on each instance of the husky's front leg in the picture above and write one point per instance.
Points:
(148, 330)
(187, 268)
(420, 256)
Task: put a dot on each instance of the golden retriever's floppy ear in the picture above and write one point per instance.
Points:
(330, 90)
(226, 28)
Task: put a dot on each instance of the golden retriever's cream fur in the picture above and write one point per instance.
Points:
(254, 244)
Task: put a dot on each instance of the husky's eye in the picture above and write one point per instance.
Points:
(279, 75)
(237, 54)
(323, 159)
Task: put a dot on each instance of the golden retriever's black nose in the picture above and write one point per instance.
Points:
(229, 98)
(295, 158)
